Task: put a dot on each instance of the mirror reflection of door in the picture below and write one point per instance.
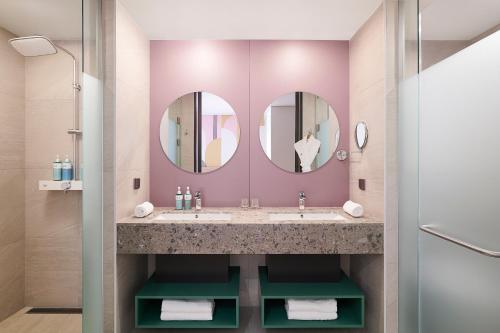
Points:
(199, 132)
(299, 132)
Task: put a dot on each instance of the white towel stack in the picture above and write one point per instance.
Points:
(354, 209)
(144, 209)
(183, 309)
(311, 309)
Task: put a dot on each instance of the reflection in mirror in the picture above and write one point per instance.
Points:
(361, 134)
(299, 132)
(199, 132)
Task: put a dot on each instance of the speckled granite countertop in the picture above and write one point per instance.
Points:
(250, 231)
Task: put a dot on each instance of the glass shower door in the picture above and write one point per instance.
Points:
(94, 184)
(459, 175)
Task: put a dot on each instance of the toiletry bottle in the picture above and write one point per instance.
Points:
(57, 169)
(187, 199)
(67, 169)
(178, 199)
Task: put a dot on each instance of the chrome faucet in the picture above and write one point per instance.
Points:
(197, 200)
(302, 200)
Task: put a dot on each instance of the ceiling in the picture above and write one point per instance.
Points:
(458, 19)
(250, 19)
(56, 19)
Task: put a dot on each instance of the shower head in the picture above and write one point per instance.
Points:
(33, 46)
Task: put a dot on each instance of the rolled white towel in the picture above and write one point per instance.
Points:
(353, 209)
(312, 305)
(144, 209)
(309, 315)
(203, 306)
(166, 316)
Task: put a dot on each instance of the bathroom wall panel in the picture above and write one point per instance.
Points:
(53, 218)
(391, 168)
(367, 103)
(132, 113)
(280, 67)
(131, 152)
(12, 129)
(218, 67)
(109, 163)
(250, 75)
(367, 94)
(12, 252)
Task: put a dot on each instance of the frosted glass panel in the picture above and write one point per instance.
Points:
(93, 200)
(460, 137)
(408, 166)
(408, 205)
(459, 289)
(92, 206)
(459, 189)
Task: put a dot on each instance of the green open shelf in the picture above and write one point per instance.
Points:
(226, 296)
(350, 302)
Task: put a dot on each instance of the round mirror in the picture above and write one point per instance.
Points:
(199, 132)
(361, 134)
(299, 132)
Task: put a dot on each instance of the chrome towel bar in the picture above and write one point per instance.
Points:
(430, 230)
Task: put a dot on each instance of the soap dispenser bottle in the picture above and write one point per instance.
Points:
(57, 169)
(178, 199)
(67, 169)
(187, 199)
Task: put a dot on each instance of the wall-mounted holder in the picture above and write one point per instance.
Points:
(226, 296)
(60, 185)
(350, 302)
(341, 155)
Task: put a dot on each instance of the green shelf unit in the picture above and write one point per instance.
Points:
(226, 296)
(350, 302)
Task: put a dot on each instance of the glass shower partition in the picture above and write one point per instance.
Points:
(459, 163)
(93, 196)
(449, 156)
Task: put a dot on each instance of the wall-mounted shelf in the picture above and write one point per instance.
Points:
(226, 296)
(350, 302)
(60, 185)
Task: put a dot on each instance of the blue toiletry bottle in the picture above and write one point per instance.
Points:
(57, 169)
(67, 169)
(187, 199)
(178, 199)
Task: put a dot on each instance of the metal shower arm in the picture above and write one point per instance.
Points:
(75, 131)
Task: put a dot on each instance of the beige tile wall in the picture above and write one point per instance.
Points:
(132, 112)
(109, 181)
(367, 75)
(367, 103)
(391, 170)
(132, 150)
(12, 127)
(53, 218)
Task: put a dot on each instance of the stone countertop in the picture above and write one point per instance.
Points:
(250, 231)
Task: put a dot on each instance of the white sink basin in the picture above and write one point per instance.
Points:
(306, 217)
(193, 217)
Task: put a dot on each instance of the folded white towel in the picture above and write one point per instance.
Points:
(203, 306)
(310, 315)
(312, 305)
(353, 209)
(144, 209)
(166, 316)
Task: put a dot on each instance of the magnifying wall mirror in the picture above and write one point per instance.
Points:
(199, 132)
(299, 132)
(361, 135)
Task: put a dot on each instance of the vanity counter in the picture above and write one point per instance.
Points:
(250, 231)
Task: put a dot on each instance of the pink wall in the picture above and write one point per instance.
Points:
(249, 75)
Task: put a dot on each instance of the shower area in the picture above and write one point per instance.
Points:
(49, 79)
